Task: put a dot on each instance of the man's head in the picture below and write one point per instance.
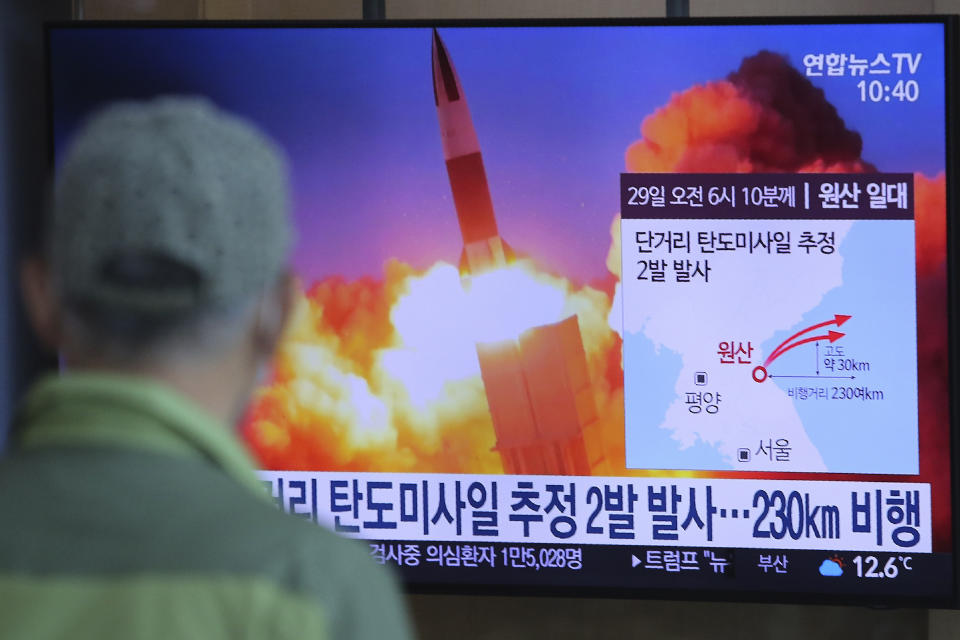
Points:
(165, 250)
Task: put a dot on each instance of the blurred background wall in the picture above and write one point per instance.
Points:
(23, 166)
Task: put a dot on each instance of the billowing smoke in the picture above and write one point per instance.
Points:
(765, 117)
(384, 375)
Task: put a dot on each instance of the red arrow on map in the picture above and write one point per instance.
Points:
(832, 336)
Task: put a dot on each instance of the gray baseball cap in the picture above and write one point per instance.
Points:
(174, 180)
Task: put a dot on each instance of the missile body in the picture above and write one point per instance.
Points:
(483, 248)
(538, 385)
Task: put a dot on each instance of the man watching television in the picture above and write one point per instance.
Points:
(128, 507)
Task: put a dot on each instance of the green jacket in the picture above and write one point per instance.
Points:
(126, 512)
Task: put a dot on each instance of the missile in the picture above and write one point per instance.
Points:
(537, 386)
(483, 248)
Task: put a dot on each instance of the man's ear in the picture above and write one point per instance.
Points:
(42, 305)
(274, 311)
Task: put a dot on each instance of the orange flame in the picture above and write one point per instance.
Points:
(411, 397)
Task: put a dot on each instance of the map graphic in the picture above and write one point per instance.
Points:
(762, 341)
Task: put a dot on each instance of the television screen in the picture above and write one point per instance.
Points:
(640, 308)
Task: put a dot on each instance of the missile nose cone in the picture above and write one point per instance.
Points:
(483, 249)
(445, 85)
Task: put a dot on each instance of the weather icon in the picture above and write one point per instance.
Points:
(832, 567)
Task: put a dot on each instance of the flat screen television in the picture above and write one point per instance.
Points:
(641, 308)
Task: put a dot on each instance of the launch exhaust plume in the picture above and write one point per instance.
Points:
(765, 117)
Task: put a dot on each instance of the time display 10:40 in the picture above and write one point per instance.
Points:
(879, 91)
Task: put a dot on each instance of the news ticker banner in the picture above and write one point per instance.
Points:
(883, 577)
(701, 512)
